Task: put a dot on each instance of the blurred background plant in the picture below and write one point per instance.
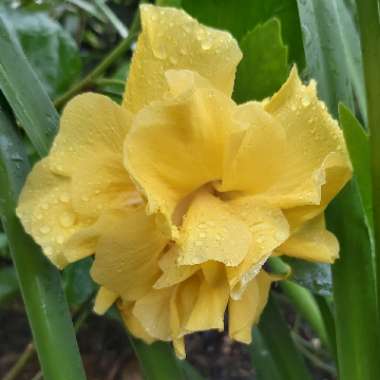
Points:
(319, 322)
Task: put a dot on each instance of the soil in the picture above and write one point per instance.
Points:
(107, 354)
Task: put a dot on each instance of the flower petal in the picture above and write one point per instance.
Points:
(132, 323)
(312, 136)
(255, 153)
(46, 213)
(171, 39)
(104, 300)
(245, 312)
(209, 308)
(211, 232)
(126, 259)
(88, 148)
(312, 242)
(172, 273)
(176, 146)
(153, 312)
(269, 229)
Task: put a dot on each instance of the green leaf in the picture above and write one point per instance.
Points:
(8, 284)
(50, 50)
(276, 336)
(3, 245)
(25, 93)
(77, 283)
(359, 149)
(325, 50)
(314, 276)
(157, 360)
(169, 3)
(357, 324)
(39, 281)
(262, 360)
(241, 16)
(346, 13)
(264, 67)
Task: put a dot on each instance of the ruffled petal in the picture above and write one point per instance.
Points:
(211, 232)
(312, 138)
(245, 312)
(88, 148)
(127, 252)
(312, 242)
(45, 210)
(171, 39)
(210, 305)
(269, 229)
(153, 313)
(255, 152)
(177, 145)
(133, 324)
(172, 273)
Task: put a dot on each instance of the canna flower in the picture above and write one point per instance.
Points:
(181, 194)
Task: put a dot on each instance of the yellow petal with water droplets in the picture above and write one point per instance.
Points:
(45, 210)
(269, 229)
(255, 152)
(171, 39)
(312, 242)
(176, 145)
(311, 137)
(211, 232)
(127, 252)
(244, 313)
(88, 148)
(104, 300)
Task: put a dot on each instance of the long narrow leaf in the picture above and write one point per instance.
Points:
(39, 282)
(357, 325)
(276, 336)
(157, 361)
(19, 83)
(369, 19)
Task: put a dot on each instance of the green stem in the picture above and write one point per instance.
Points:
(109, 82)
(308, 308)
(370, 38)
(114, 55)
(21, 362)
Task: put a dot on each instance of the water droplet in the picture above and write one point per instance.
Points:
(293, 107)
(64, 198)
(305, 100)
(67, 219)
(202, 235)
(45, 206)
(45, 229)
(206, 44)
(198, 243)
(60, 239)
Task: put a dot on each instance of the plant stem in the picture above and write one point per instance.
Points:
(109, 82)
(21, 362)
(115, 54)
(370, 38)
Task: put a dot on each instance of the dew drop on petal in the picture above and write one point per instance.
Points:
(67, 219)
(45, 229)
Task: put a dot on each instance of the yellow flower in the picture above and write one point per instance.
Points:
(182, 194)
